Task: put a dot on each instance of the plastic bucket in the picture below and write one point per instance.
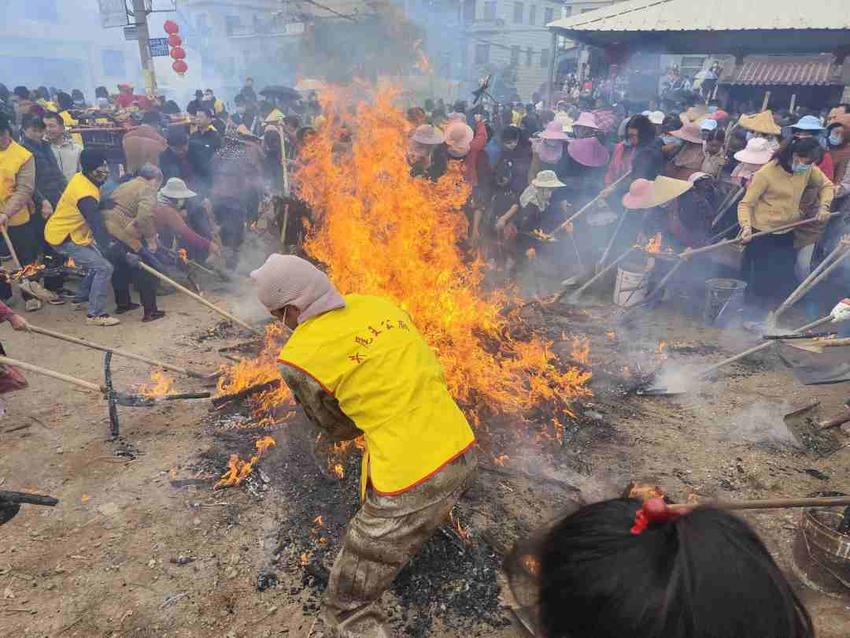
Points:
(631, 287)
(724, 301)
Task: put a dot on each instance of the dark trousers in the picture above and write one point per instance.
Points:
(143, 282)
(768, 269)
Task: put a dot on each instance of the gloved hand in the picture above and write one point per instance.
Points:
(132, 259)
(841, 312)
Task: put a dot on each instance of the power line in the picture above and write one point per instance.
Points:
(330, 10)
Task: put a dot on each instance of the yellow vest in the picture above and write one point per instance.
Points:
(69, 121)
(373, 360)
(11, 161)
(67, 219)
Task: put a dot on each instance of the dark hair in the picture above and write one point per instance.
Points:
(5, 125)
(50, 115)
(703, 575)
(293, 121)
(22, 92)
(170, 108)
(644, 128)
(32, 121)
(100, 92)
(4, 92)
(42, 93)
(806, 147)
(176, 136)
(208, 112)
(716, 135)
(151, 117)
(64, 101)
(511, 134)
(77, 95)
(91, 158)
(671, 123)
(844, 106)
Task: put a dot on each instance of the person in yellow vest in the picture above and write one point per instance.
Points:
(76, 230)
(359, 367)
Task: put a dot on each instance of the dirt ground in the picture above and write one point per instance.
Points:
(143, 546)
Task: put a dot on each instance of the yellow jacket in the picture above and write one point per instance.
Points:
(387, 380)
(67, 220)
(773, 197)
(12, 160)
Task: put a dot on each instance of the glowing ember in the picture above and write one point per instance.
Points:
(338, 470)
(459, 529)
(319, 521)
(530, 564)
(654, 244)
(28, 271)
(304, 559)
(183, 255)
(661, 349)
(501, 460)
(160, 385)
(238, 470)
(382, 232)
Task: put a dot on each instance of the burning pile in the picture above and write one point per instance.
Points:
(160, 385)
(238, 470)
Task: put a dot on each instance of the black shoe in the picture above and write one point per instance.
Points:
(156, 314)
(120, 310)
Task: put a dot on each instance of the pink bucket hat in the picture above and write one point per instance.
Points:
(588, 120)
(287, 280)
(554, 131)
(588, 151)
(690, 132)
(458, 138)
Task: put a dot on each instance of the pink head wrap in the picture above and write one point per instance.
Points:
(287, 280)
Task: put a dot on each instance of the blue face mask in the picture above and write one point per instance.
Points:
(800, 168)
(712, 109)
(835, 139)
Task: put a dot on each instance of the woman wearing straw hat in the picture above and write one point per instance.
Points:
(761, 125)
(773, 200)
(423, 155)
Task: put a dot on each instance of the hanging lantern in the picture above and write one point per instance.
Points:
(171, 27)
(180, 67)
(178, 53)
(175, 40)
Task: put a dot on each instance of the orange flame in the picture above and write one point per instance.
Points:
(654, 244)
(28, 271)
(319, 521)
(339, 470)
(459, 528)
(160, 385)
(238, 470)
(501, 460)
(422, 61)
(183, 255)
(380, 231)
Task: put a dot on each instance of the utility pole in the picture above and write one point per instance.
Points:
(140, 18)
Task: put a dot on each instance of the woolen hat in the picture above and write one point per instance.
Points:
(287, 280)
(644, 193)
(547, 179)
(554, 131)
(808, 123)
(588, 120)
(588, 151)
(690, 132)
(175, 188)
(458, 138)
(428, 135)
(757, 151)
(760, 123)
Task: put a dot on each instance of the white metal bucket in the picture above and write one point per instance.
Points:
(631, 287)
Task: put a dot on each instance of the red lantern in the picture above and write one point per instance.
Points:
(180, 67)
(175, 40)
(171, 27)
(178, 53)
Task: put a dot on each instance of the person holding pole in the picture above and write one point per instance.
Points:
(10, 378)
(76, 230)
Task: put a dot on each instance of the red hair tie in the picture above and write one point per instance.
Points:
(654, 510)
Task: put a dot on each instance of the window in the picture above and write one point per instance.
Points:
(113, 63)
(548, 16)
(519, 9)
(482, 53)
(469, 10)
(515, 56)
(489, 10)
(532, 14)
(528, 55)
(544, 58)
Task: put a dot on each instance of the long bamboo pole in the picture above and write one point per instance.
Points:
(820, 273)
(581, 211)
(11, 248)
(116, 351)
(196, 297)
(710, 370)
(596, 277)
(29, 367)
(775, 503)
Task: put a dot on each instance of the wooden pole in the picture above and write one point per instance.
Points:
(196, 297)
(596, 277)
(23, 365)
(793, 102)
(775, 503)
(765, 101)
(581, 211)
(11, 248)
(712, 369)
(613, 239)
(116, 351)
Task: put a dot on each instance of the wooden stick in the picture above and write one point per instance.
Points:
(23, 365)
(775, 503)
(659, 288)
(11, 248)
(815, 277)
(581, 211)
(765, 101)
(611, 241)
(690, 252)
(596, 277)
(758, 348)
(116, 351)
(196, 297)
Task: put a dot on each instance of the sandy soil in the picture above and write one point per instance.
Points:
(107, 560)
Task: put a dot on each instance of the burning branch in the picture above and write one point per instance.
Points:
(161, 384)
(238, 470)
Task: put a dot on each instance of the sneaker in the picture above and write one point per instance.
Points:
(33, 304)
(102, 320)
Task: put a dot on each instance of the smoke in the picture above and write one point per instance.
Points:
(760, 422)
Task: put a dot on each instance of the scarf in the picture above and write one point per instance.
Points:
(534, 195)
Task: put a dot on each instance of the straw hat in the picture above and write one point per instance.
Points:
(175, 188)
(656, 117)
(554, 131)
(587, 120)
(808, 123)
(458, 137)
(696, 113)
(589, 152)
(644, 193)
(758, 151)
(760, 123)
(428, 135)
(547, 179)
(690, 132)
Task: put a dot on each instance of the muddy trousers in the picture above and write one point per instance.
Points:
(382, 537)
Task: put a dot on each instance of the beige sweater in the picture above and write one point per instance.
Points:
(773, 198)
